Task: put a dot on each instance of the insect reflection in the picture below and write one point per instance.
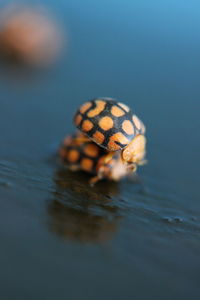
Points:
(81, 213)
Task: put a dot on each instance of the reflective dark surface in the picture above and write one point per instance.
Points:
(139, 238)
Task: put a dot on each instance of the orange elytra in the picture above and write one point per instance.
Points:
(110, 124)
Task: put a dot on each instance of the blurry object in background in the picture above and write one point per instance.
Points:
(29, 36)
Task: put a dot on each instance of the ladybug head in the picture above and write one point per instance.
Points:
(135, 151)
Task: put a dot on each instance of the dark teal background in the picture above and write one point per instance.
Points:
(139, 239)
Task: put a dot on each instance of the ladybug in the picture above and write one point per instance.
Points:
(81, 153)
(113, 126)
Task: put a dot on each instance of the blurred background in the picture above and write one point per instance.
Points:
(61, 238)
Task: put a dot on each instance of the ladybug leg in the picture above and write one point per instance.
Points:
(103, 170)
(132, 167)
(95, 179)
(108, 157)
(142, 162)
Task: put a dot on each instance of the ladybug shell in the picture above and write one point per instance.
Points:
(81, 154)
(109, 123)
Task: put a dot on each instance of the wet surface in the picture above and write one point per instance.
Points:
(139, 238)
